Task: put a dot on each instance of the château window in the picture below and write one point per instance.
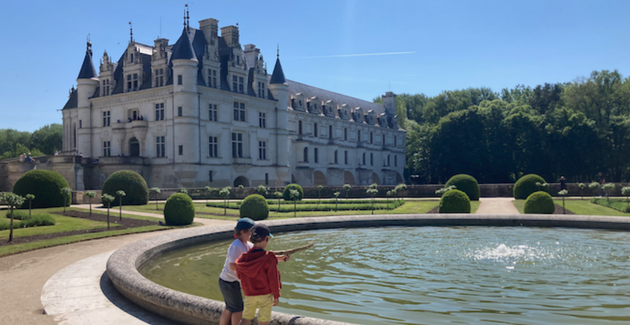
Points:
(213, 150)
(306, 154)
(212, 78)
(363, 158)
(210, 176)
(336, 158)
(179, 79)
(135, 82)
(315, 129)
(159, 111)
(129, 83)
(107, 148)
(299, 127)
(388, 161)
(106, 118)
(180, 111)
(160, 147)
(237, 145)
(238, 84)
(262, 150)
(371, 137)
(330, 131)
(383, 139)
(345, 134)
(105, 87)
(262, 120)
(395, 161)
(261, 89)
(212, 112)
(395, 141)
(80, 124)
(345, 157)
(315, 155)
(181, 150)
(266, 178)
(371, 159)
(159, 77)
(359, 135)
(239, 111)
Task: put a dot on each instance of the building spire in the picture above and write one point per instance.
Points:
(130, 32)
(278, 54)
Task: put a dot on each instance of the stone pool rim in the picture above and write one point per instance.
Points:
(122, 266)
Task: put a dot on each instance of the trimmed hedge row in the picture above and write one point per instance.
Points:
(36, 220)
(217, 204)
(381, 205)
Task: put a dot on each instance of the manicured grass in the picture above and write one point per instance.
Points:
(582, 207)
(113, 213)
(19, 248)
(614, 203)
(63, 224)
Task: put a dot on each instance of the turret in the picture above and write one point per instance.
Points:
(184, 64)
(280, 90)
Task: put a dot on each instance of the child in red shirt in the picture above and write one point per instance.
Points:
(258, 272)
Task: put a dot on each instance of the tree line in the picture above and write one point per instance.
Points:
(44, 141)
(576, 129)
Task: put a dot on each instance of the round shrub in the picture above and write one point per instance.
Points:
(46, 185)
(454, 201)
(179, 210)
(131, 183)
(539, 202)
(526, 185)
(466, 184)
(287, 192)
(255, 207)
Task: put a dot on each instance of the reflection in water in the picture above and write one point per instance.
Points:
(430, 275)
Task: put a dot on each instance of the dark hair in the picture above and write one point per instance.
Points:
(255, 240)
(237, 233)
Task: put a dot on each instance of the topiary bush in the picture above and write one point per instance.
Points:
(46, 185)
(454, 201)
(539, 202)
(466, 184)
(526, 185)
(255, 207)
(287, 192)
(179, 210)
(134, 186)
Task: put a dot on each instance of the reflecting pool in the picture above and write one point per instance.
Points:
(434, 275)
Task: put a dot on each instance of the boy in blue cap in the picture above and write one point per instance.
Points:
(228, 281)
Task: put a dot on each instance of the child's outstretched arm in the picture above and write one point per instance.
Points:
(282, 258)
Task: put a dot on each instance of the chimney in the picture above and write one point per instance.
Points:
(251, 55)
(389, 102)
(210, 28)
(230, 35)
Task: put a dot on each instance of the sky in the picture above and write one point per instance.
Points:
(357, 48)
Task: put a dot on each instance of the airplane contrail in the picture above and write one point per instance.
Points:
(353, 55)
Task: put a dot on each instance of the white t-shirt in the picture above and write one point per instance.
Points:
(236, 249)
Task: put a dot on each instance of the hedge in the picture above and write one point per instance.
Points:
(255, 207)
(526, 185)
(466, 184)
(179, 210)
(454, 201)
(131, 183)
(46, 185)
(381, 205)
(539, 202)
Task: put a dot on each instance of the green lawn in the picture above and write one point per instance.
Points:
(582, 207)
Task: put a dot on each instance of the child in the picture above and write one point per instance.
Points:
(258, 272)
(228, 281)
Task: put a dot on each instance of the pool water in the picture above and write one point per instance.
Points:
(434, 275)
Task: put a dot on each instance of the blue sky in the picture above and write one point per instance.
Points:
(448, 45)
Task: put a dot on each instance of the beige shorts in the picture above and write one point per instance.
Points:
(263, 303)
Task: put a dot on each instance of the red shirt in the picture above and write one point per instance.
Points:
(258, 272)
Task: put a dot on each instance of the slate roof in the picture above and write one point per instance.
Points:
(73, 101)
(87, 69)
(324, 95)
(277, 77)
(183, 49)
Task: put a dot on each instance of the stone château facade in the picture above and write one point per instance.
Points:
(204, 111)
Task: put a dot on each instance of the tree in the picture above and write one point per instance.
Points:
(262, 190)
(30, 198)
(389, 193)
(594, 186)
(66, 191)
(608, 189)
(582, 186)
(47, 139)
(399, 188)
(225, 193)
(108, 199)
(208, 191)
(90, 195)
(563, 193)
(156, 191)
(347, 187)
(371, 191)
(120, 194)
(336, 194)
(626, 191)
(294, 195)
(278, 195)
(13, 201)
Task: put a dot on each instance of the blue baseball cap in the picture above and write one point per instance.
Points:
(244, 223)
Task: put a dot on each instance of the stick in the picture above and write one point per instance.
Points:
(294, 250)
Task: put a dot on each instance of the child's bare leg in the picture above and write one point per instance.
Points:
(225, 317)
(244, 321)
(236, 317)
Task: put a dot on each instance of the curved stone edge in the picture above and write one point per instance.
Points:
(122, 266)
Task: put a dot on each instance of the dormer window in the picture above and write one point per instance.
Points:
(238, 84)
(132, 82)
(261, 89)
(131, 60)
(159, 77)
(212, 78)
(105, 87)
